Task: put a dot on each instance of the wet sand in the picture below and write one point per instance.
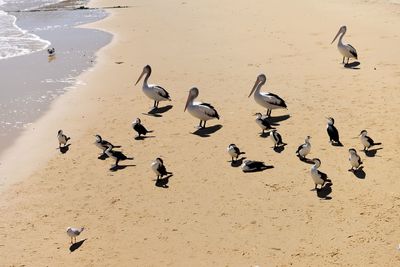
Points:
(212, 214)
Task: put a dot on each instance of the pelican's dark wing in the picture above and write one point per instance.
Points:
(162, 92)
(213, 112)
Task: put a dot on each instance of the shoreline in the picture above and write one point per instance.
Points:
(212, 214)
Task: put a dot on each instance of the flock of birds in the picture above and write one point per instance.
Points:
(205, 112)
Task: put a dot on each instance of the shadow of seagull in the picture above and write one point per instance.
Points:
(157, 112)
(353, 65)
(120, 167)
(325, 191)
(76, 245)
(163, 182)
(238, 162)
(207, 131)
(64, 149)
(359, 173)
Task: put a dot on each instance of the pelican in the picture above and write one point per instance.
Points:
(355, 160)
(367, 141)
(62, 138)
(202, 111)
(304, 149)
(318, 177)
(267, 100)
(345, 49)
(74, 232)
(152, 91)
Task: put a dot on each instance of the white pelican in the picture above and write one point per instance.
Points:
(267, 100)
(318, 177)
(74, 232)
(345, 49)
(62, 138)
(367, 141)
(152, 91)
(202, 111)
(355, 160)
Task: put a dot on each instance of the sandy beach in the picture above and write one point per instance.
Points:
(213, 214)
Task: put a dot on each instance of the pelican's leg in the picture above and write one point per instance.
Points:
(71, 240)
(116, 162)
(200, 124)
(158, 102)
(348, 60)
(204, 125)
(343, 60)
(154, 105)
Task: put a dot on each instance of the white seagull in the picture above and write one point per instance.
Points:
(202, 111)
(152, 91)
(267, 100)
(74, 232)
(345, 49)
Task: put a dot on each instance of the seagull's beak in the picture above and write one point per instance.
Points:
(140, 77)
(336, 36)
(254, 87)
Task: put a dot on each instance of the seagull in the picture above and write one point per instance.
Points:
(333, 132)
(367, 141)
(62, 138)
(51, 51)
(117, 155)
(234, 152)
(277, 139)
(74, 232)
(139, 128)
(158, 167)
(345, 49)
(102, 144)
(355, 160)
(253, 166)
(267, 100)
(152, 91)
(202, 111)
(263, 122)
(304, 149)
(319, 177)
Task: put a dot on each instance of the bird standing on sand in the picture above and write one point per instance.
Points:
(332, 132)
(62, 138)
(263, 123)
(116, 155)
(51, 51)
(152, 91)
(102, 144)
(355, 160)
(304, 149)
(253, 166)
(266, 100)
(234, 152)
(200, 110)
(139, 128)
(345, 49)
(277, 138)
(367, 141)
(158, 167)
(74, 232)
(318, 177)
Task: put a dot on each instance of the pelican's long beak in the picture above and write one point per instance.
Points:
(339, 32)
(254, 87)
(140, 77)
(187, 103)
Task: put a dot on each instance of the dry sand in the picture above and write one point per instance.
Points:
(212, 214)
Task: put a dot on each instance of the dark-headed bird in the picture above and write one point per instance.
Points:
(304, 149)
(116, 155)
(62, 138)
(139, 128)
(102, 144)
(234, 152)
(318, 177)
(367, 141)
(159, 168)
(333, 132)
(263, 123)
(355, 160)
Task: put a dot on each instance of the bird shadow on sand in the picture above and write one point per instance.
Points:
(64, 149)
(359, 173)
(337, 144)
(76, 245)
(306, 160)
(371, 152)
(238, 162)
(279, 149)
(353, 65)
(260, 169)
(325, 191)
(120, 167)
(207, 131)
(265, 134)
(143, 137)
(274, 120)
(103, 156)
(163, 182)
(157, 112)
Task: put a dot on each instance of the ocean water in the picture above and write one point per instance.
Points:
(30, 81)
